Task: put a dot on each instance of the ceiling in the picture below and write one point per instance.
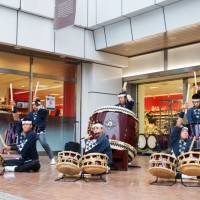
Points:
(175, 38)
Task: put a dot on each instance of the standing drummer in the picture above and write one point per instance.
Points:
(125, 100)
(179, 140)
(98, 143)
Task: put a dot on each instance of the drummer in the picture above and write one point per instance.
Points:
(98, 143)
(125, 101)
(179, 139)
(193, 113)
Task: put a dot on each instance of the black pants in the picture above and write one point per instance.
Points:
(23, 166)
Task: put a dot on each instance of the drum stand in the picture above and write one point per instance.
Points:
(159, 183)
(94, 179)
(197, 185)
(64, 178)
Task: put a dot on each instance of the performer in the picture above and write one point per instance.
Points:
(100, 143)
(193, 114)
(29, 160)
(125, 100)
(179, 140)
(38, 117)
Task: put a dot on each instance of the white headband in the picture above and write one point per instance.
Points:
(195, 100)
(97, 125)
(121, 95)
(26, 122)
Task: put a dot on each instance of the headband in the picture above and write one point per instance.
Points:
(195, 100)
(97, 125)
(26, 122)
(121, 95)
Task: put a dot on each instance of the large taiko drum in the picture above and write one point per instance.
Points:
(194, 130)
(119, 124)
(116, 144)
(68, 162)
(94, 163)
(157, 142)
(163, 165)
(189, 163)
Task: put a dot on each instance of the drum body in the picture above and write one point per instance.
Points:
(157, 142)
(118, 145)
(68, 162)
(163, 165)
(94, 163)
(142, 141)
(189, 163)
(194, 130)
(119, 124)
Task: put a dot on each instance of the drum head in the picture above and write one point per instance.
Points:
(161, 172)
(142, 141)
(68, 168)
(94, 169)
(151, 142)
(190, 169)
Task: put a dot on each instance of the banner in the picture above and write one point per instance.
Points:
(50, 102)
(65, 12)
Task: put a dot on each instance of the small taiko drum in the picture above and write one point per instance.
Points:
(94, 163)
(155, 141)
(142, 141)
(163, 165)
(68, 162)
(119, 145)
(189, 163)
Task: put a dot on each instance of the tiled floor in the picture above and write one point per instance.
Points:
(127, 185)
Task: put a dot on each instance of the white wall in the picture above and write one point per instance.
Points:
(182, 57)
(149, 63)
(8, 24)
(11, 3)
(182, 13)
(39, 7)
(35, 32)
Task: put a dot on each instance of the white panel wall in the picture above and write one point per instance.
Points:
(148, 24)
(39, 7)
(149, 63)
(105, 79)
(70, 41)
(11, 3)
(100, 38)
(35, 32)
(101, 57)
(165, 2)
(108, 10)
(130, 6)
(184, 57)
(118, 33)
(81, 13)
(8, 24)
(182, 13)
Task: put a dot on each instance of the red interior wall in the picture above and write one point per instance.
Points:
(155, 102)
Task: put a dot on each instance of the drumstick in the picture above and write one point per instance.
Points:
(36, 89)
(192, 143)
(2, 141)
(11, 94)
(124, 89)
(187, 95)
(195, 80)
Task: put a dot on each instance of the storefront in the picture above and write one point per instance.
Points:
(56, 88)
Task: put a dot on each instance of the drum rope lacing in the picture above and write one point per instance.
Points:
(116, 109)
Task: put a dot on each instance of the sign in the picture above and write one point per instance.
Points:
(65, 11)
(50, 103)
